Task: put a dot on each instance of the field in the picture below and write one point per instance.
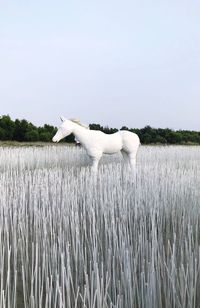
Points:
(123, 239)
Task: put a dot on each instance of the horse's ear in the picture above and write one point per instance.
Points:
(62, 119)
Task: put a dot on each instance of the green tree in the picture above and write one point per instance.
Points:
(160, 139)
(124, 128)
(108, 130)
(2, 134)
(21, 129)
(7, 127)
(146, 138)
(45, 136)
(32, 135)
(96, 127)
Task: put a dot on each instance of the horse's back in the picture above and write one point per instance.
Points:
(130, 141)
(112, 143)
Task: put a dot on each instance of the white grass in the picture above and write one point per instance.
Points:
(122, 240)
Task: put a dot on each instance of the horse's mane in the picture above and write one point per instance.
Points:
(77, 121)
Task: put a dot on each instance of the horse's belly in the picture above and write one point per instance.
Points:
(112, 147)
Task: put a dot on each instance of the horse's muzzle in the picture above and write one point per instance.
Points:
(54, 139)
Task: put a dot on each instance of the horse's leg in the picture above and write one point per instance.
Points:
(132, 160)
(95, 162)
(125, 157)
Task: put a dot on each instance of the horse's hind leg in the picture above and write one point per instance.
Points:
(129, 159)
(132, 160)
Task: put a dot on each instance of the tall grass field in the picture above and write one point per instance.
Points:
(121, 239)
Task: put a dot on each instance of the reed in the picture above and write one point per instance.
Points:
(68, 239)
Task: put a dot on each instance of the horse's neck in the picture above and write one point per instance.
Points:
(81, 134)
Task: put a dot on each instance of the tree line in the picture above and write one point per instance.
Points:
(22, 130)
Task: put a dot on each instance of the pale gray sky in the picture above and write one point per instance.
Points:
(112, 62)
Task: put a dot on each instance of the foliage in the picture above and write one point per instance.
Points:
(32, 135)
(22, 130)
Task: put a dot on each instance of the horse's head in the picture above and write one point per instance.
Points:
(65, 129)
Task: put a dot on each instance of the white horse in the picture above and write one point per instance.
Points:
(97, 143)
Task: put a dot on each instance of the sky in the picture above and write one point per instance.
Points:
(128, 62)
